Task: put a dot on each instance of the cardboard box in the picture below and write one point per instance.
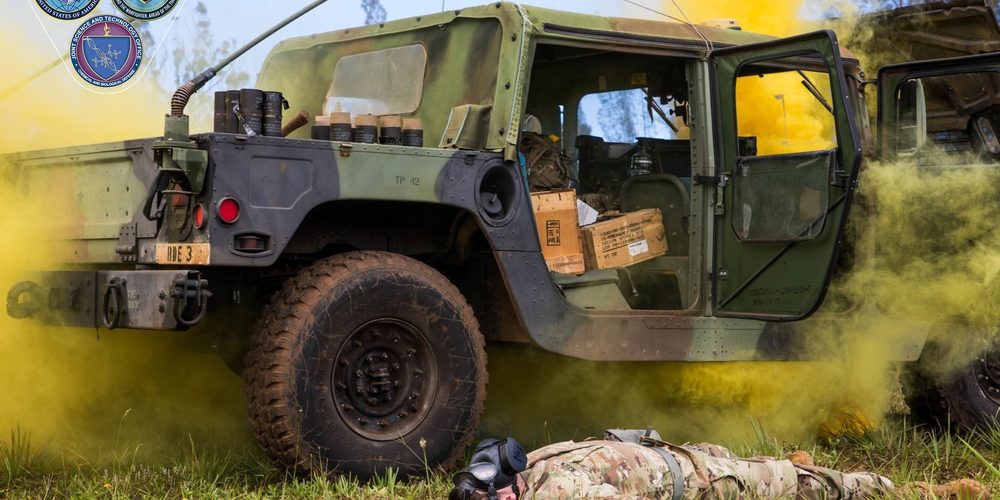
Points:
(558, 233)
(569, 264)
(625, 240)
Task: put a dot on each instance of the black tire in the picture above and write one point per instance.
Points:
(966, 399)
(366, 361)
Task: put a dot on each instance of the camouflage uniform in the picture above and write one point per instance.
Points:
(612, 469)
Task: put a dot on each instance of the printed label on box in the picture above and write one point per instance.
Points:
(552, 233)
(638, 248)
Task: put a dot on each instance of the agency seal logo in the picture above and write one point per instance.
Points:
(106, 51)
(145, 9)
(67, 9)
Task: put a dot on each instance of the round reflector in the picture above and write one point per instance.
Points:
(199, 216)
(229, 210)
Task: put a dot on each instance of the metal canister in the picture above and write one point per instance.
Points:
(232, 106)
(274, 103)
(220, 112)
(390, 130)
(413, 132)
(251, 111)
(340, 127)
(321, 130)
(365, 129)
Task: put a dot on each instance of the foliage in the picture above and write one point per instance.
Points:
(374, 12)
(898, 450)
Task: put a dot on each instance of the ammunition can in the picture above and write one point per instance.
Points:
(232, 105)
(220, 112)
(413, 132)
(365, 129)
(251, 111)
(321, 130)
(390, 130)
(274, 103)
(340, 127)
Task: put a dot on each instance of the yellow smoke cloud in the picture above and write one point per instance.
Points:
(78, 389)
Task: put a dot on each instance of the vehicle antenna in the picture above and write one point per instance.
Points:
(181, 96)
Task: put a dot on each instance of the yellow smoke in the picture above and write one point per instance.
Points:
(84, 390)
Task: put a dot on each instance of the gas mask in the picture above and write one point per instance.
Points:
(494, 466)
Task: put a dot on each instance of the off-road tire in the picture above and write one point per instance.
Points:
(366, 361)
(964, 400)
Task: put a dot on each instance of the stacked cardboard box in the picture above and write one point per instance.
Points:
(558, 232)
(624, 240)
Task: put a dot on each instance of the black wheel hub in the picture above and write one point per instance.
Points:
(384, 379)
(988, 375)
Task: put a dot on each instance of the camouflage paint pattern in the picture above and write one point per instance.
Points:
(294, 191)
(611, 469)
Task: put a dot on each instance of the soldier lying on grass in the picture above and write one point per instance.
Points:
(638, 464)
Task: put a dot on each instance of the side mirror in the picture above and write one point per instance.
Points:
(911, 115)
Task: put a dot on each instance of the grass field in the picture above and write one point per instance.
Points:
(897, 450)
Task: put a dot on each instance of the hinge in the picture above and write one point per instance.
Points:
(720, 182)
(128, 244)
(709, 179)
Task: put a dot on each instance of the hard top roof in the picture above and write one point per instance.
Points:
(550, 23)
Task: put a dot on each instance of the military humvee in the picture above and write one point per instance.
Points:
(386, 268)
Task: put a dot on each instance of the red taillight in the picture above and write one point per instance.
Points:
(228, 210)
(199, 217)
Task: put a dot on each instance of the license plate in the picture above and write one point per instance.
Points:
(183, 253)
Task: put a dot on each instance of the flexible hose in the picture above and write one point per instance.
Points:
(181, 96)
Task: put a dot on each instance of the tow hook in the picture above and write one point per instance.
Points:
(24, 300)
(190, 296)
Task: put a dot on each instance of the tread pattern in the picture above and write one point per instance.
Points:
(268, 376)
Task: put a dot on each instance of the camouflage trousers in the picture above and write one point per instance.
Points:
(612, 469)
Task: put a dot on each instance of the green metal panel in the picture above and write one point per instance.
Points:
(781, 280)
(101, 191)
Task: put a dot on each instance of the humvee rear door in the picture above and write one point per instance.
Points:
(788, 154)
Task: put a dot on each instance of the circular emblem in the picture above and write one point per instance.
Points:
(106, 51)
(145, 9)
(67, 9)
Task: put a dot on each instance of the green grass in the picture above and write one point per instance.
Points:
(898, 450)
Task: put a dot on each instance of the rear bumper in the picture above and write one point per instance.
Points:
(143, 300)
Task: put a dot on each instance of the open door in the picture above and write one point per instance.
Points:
(942, 112)
(788, 157)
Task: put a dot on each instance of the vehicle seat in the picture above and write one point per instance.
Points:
(596, 290)
(667, 193)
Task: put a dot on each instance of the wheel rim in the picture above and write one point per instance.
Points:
(988, 375)
(384, 379)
